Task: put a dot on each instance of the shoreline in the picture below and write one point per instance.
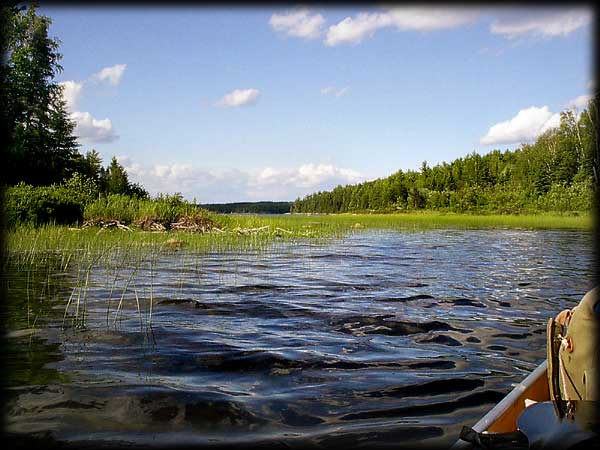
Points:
(257, 232)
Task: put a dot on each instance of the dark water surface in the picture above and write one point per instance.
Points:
(378, 339)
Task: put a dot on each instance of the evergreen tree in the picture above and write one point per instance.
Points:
(91, 165)
(117, 180)
(41, 148)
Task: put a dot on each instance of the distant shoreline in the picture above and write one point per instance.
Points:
(261, 207)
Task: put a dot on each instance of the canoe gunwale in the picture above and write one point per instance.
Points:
(506, 412)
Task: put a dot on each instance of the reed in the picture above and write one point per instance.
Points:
(26, 245)
(123, 255)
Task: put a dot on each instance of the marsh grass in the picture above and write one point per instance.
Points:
(35, 245)
(123, 255)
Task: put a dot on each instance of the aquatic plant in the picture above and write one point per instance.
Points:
(123, 255)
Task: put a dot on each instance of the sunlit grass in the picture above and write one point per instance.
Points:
(251, 232)
(124, 254)
(29, 245)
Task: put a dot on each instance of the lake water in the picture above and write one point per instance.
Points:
(379, 339)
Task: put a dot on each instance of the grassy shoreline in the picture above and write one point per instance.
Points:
(434, 219)
(53, 252)
(245, 232)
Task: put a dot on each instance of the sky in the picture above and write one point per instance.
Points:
(274, 103)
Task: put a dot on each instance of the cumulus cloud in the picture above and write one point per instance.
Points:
(354, 30)
(239, 97)
(215, 186)
(87, 127)
(508, 24)
(111, 75)
(430, 19)
(298, 23)
(526, 126)
(541, 24)
(93, 130)
(332, 90)
(71, 91)
(580, 102)
(311, 176)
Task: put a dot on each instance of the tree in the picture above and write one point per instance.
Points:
(91, 165)
(117, 180)
(114, 180)
(41, 148)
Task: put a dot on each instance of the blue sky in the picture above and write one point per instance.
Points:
(274, 103)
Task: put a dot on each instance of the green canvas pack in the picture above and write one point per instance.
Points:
(573, 352)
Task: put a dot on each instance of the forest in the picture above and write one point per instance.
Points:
(558, 172)
(250, 207)
(45, 177)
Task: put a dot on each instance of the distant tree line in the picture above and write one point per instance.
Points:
(559, 172)
(250, 207)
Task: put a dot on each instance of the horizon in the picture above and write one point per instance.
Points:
(271, 104)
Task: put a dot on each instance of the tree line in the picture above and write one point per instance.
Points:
(558, 172)
(250, 207)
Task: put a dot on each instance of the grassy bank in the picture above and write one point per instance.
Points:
(255, 232)
(430, 219)
(51, 252)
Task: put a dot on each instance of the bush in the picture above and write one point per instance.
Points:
(509, 199)
(29, 205)
(82, 189)
(164, 209)
(119, 207)
(579, 196)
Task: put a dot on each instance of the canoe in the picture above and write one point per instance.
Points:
(503, 417)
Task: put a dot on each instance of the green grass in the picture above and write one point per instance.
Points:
(29, 243)
(122, 254)
(428, 219)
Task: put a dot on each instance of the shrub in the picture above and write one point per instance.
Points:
(36, 205)
(119, 207)
(579, 196)
(165, 209)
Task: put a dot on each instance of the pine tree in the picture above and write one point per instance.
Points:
(117, 178)
(41, 148)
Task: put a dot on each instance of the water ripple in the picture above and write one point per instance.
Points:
(378, 339)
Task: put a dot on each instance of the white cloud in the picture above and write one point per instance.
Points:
(580, 102)
(541, 24)
(111, 75)
(93, 130)
(332, 90)
(214, 186)
(512, 24)
(71, 93)
(363, 25)
(87, 127)
(430, 19)
(314, 175)
(526, 126)
(239, 97)
(298, 23)
(355, 29)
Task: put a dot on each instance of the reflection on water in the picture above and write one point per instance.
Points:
(379, 339)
